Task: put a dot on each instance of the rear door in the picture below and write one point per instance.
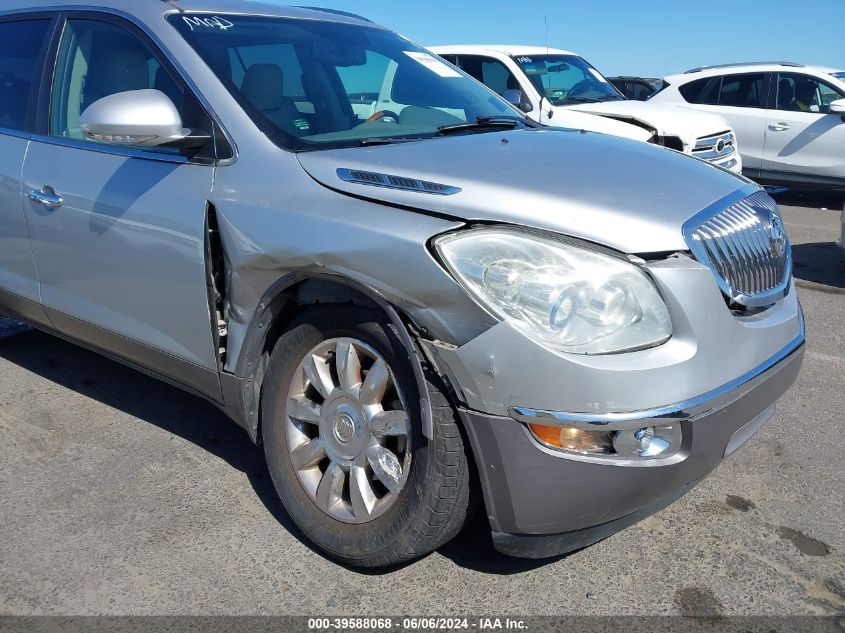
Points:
(802, 136)
(23, 43)
(120, 250)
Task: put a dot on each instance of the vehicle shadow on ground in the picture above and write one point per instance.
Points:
(192, 418)
(811, 199)
(816, 262)
(820, 263)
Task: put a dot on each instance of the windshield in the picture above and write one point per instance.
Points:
(311, 84)
(566, 79)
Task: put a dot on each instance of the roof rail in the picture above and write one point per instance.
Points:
(346, 14)
(700, 68)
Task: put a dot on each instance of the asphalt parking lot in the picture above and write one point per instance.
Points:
(122, 495)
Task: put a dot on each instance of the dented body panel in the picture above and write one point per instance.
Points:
(270, 230)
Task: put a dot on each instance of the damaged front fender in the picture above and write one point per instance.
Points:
(274, 238)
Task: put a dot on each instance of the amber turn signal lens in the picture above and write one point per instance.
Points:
(573, 439)
(547, 434)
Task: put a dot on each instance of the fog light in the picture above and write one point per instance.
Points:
(574, 439)
(626, 444)
(649, 441)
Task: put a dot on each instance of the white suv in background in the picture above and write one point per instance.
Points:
(789, 118)
(559, 88)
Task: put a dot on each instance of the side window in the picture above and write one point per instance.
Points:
(21, 42)
(827, 95)
(801, 93)
(743, 91)
(491, 72)
(704, 91)
(639, 91)
(97, 59)
(497, 77)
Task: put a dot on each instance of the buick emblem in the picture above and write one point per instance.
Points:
(344, 428)
(778, 235)
(720, 146)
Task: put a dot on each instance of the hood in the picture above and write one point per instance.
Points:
(567, 117)
(666, 119)
(628, 195)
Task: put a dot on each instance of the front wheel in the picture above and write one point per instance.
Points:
(342, 436)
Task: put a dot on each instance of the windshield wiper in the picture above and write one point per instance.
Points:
(481, 123)
(581, 99)
(387, 140)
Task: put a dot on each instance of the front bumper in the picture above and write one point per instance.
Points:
(541, 502)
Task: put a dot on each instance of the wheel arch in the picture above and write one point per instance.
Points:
(277, 308)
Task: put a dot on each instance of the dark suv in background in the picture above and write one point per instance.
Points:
(637, 88)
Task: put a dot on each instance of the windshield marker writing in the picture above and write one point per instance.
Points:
(214, 22)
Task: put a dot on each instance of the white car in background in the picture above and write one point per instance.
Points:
(559, 88)
(782, 139)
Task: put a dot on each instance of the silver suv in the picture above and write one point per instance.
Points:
(438, 306)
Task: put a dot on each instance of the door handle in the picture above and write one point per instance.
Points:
(46, 196)
(779, 127)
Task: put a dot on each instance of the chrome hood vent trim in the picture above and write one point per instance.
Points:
(375, 179)
(746, 246)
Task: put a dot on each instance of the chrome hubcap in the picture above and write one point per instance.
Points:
(347, 430)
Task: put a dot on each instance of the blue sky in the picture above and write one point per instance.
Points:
(646, 37)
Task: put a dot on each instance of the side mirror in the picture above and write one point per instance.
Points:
(145, 118)
(514, 97)
(837, 107)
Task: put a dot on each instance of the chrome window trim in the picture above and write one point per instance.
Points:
(117, 150)
(689, 409)
(66, 12)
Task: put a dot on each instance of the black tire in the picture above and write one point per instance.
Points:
(435, 501)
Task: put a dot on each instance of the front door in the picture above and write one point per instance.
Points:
(802, 136)
(118, 234)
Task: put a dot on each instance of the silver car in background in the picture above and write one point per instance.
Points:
(440, 306)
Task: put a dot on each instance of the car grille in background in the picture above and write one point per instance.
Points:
(395, 182)
(746, 247)
(715, 148)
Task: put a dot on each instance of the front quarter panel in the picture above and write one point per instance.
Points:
(274, 220)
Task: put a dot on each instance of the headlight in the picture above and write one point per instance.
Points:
(565, 297)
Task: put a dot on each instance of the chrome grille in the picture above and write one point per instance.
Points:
(746, 247)
(715, 148)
